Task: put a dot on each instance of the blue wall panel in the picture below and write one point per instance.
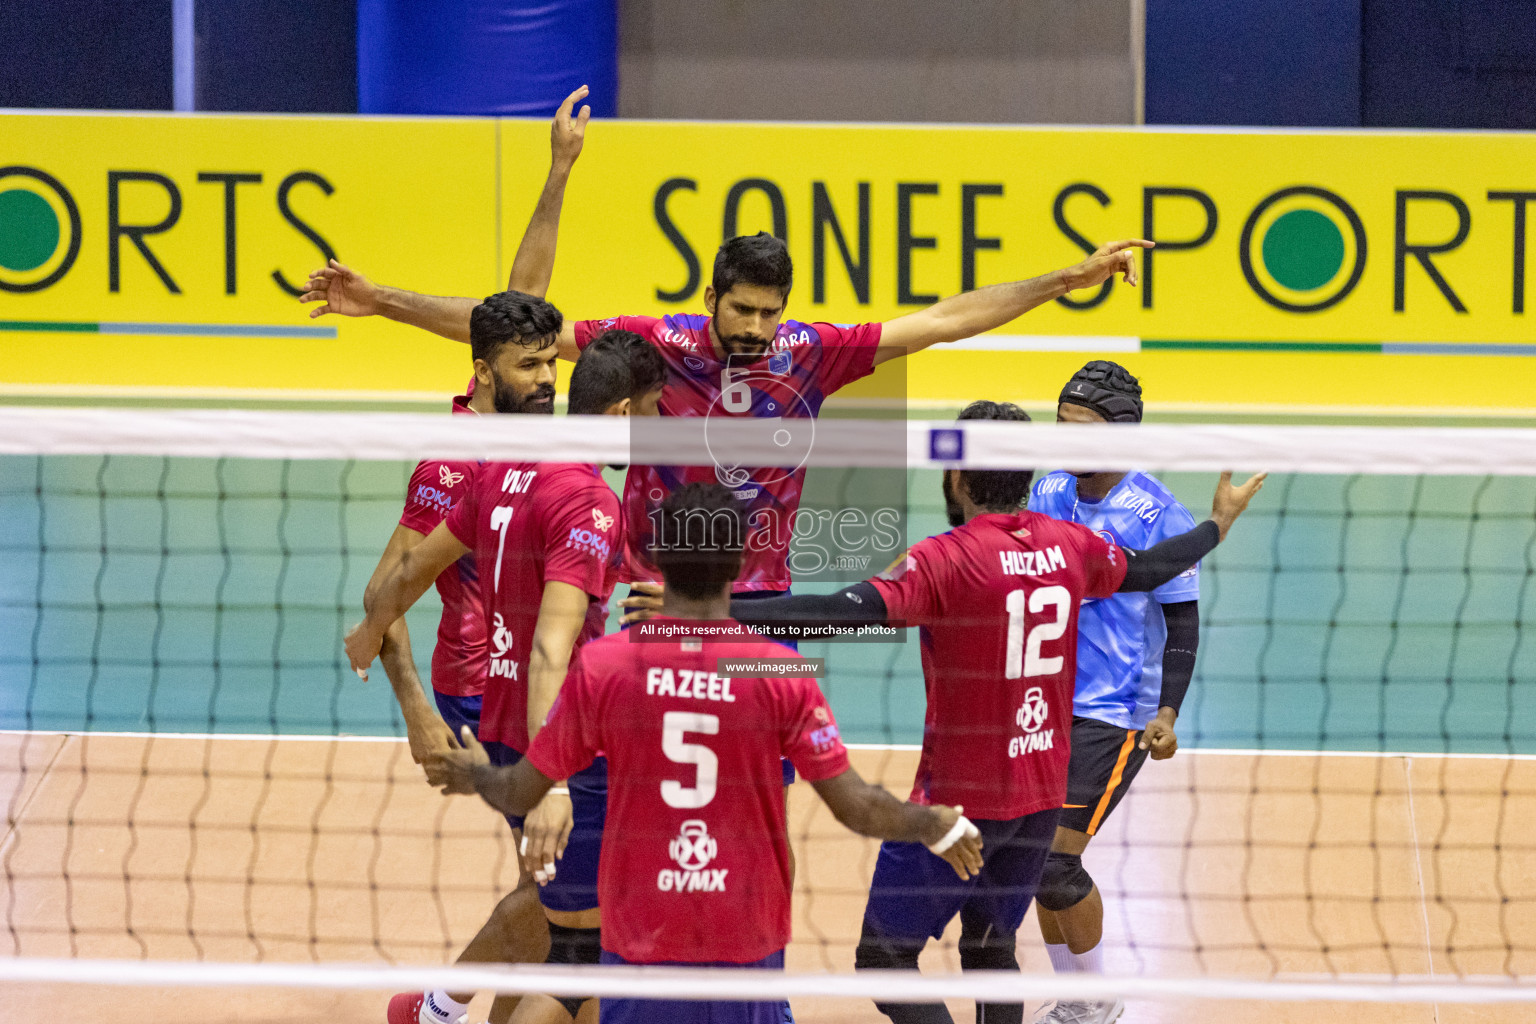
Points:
(1253, 62)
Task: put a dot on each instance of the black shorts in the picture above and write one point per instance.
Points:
(1105, 758)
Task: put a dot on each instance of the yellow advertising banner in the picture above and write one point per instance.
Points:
(1313, 271)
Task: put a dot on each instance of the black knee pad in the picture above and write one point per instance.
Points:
(881, 952)
(573, 946)
(1064, 883)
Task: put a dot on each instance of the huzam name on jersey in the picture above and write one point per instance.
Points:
(1032, 563)
(708, 880)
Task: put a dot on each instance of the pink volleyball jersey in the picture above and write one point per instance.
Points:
(458, 660)
(529, 523)
(695, 866)
(997, 600)
(805, 364)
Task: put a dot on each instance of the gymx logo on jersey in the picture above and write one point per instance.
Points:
(502, 667)
(1031, 716)
(693, 848)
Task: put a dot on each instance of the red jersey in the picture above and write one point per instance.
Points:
(458, 660)
(695, 865)
(997, 600)
(529, 523)
(805, 364)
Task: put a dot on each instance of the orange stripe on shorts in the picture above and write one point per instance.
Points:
(1114, 780)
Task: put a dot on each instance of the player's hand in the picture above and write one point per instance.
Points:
(342, 290)
(1109, 259)
(546, 830)
(567, 133)
(643, 602)
(452, 768)
(964, 855)
(1230, 501)
(1158, 737)
(362, 644)
(427, 735)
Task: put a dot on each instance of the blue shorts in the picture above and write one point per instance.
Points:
(459, 712)
(784, 765)
(690, 1011)
(575, 885)
(915, 893)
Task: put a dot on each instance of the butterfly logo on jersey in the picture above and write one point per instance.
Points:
(601, 521)
(448, 477)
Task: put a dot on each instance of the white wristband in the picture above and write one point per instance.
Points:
(962, 826)
(562, 790)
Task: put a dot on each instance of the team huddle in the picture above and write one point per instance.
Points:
(646, 786)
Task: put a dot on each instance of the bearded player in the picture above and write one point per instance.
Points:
(546, 529)
(1135, 658)
(695, 870)
(997, 601)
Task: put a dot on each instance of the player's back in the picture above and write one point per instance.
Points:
(997, 599)
(695, 862)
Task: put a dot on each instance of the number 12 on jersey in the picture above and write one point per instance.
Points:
(1026, 635)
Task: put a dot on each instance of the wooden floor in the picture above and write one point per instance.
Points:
(1218, 864)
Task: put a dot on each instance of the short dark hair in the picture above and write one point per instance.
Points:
(997, 490)
(615, 365)
(513, 317)
(700, 533)
(759, 259)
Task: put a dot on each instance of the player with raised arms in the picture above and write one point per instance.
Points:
(560, 545)
(515, 931)
(1135, 658)
(997, 602)
(741, 358)
(695, 869)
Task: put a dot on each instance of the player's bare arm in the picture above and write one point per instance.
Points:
(971, 313)
(346, 292)
(425, 729)
(469, 770)
(413, 573)
(871, 811)
(562, 611)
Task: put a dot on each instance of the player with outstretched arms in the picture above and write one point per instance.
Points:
(997, 601)
(695, 869)
(1135, 659)
(546, 529)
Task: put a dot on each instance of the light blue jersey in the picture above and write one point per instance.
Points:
(1120, 639)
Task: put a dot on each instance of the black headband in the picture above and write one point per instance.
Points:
(1118, 403)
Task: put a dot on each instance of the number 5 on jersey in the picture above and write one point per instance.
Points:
(1023, 651)
(673, 727)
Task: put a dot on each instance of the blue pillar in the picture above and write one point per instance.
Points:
(467, 57)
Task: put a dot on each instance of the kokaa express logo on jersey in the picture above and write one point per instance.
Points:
(592, 541)
(1030, 717)
(502, 666)
(439, 499)
(825, 734)
(41, 229)
(692, 849)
